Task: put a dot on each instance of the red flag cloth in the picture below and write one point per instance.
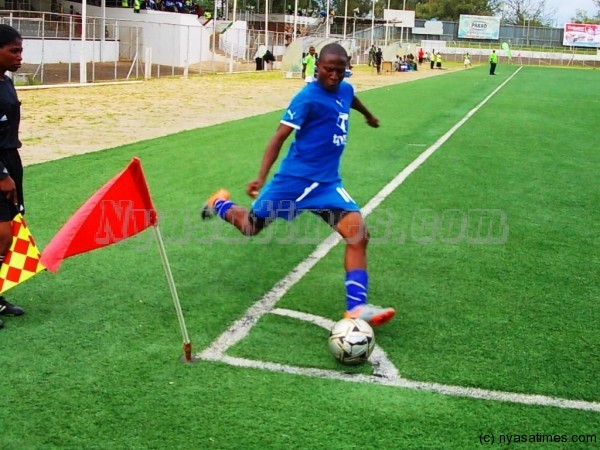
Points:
(22, 261)
(118, 210)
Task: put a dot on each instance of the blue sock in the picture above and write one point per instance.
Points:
(357, 283)
(222, 206)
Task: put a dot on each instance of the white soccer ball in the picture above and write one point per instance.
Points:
(351, 341)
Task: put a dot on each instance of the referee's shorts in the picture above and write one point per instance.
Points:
(12, 161)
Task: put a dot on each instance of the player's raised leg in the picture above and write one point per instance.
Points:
(219, 203)
(354, 231)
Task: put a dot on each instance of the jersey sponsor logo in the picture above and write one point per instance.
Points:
(342, 122)
(339, 139)
(291, 114)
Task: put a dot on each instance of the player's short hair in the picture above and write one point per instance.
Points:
(8, 35)
(333, 49)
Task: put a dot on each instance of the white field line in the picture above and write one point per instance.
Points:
(241, 327)
(457, 391)
(75, 85)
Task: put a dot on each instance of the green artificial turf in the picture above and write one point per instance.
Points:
(94, 363)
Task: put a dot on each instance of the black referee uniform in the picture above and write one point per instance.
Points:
(10, 160)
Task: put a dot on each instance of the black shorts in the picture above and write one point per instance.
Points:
(12, 161)
(332, 217)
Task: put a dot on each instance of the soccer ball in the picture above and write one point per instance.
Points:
(351, 341)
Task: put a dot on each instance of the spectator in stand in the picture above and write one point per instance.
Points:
(180, 6)
(170, 6)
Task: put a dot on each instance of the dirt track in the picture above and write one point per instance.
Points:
(59, 122)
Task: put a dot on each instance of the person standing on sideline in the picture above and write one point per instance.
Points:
(308, 65)
(467, 60)
(308, 178)
(432, 59)
(372, 52)
(379, 59)
(11, 168)
(493, 62)
(420, 56)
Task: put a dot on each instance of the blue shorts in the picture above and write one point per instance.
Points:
(286, 197)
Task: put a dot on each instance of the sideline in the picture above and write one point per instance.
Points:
(241, 328)
(75, 85)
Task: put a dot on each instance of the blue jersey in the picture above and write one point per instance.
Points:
(320, 119)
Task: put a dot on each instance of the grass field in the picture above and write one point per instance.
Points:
(488, 251)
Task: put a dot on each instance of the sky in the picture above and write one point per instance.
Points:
(566, 9)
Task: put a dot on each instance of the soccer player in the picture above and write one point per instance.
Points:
(308, 66)
(11, 168)
(308, 178)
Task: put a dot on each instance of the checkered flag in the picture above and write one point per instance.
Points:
(22, 261)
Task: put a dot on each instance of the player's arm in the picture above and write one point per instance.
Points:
(270, 156)
(358, 106)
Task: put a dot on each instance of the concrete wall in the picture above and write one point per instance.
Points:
(37, 51)
(174, 39)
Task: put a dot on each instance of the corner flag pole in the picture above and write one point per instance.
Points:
(187, 345)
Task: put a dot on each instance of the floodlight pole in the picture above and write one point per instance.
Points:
(327, 19)
(267, 24)
(230, 37)
(295, 18)
(402, 27)
(373, 24)
(387, 27)
(187, 344)
(345, 18)
(82, 58)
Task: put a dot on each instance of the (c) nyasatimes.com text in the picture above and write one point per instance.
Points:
(536, 438)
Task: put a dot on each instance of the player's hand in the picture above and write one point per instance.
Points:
(9, 189)
(373, 121)
(253, 188)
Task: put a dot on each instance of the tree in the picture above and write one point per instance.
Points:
(519, 12)
(582, 17)
(451, 9)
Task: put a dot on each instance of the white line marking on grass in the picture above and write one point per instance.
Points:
(456, 391)
(387, 376)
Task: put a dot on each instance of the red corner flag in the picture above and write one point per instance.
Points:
(118, 210)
